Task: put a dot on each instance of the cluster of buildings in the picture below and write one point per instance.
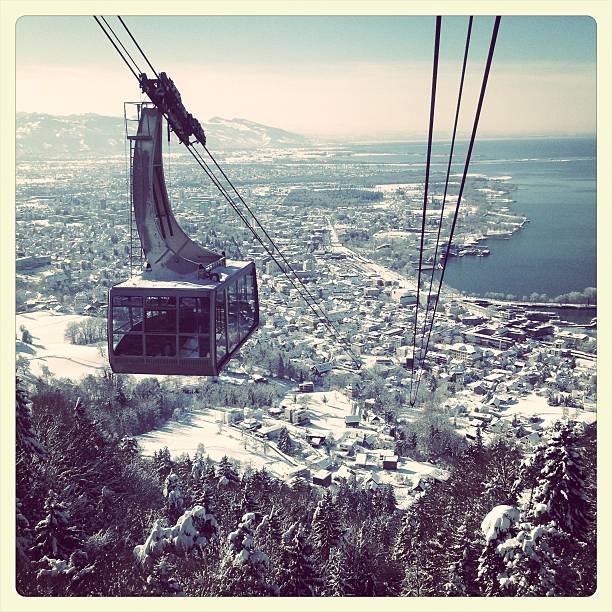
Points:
(73, 244)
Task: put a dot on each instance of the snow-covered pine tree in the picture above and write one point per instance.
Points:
(326, 527)
(268, 533)
(193, 531)
(245, 570)
(457, 554)
(183, 468)
(561, 493)
(128, 446)
(198, 468)
(163, 463)
(175, 503)
(55, 537)
(501, 473)
(23, 536)
(203, 495)
(26, 441)
(337, 573)
(531, 566)
(498, 526)
(297, 576)
(420, 545)
(284, 441)
(226, 474)
(361, 582)
(162, 581)
(383, 500)
(210, 475)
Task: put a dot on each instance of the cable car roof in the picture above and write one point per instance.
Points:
(146, 281)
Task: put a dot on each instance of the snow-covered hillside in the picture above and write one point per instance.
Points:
(49, 347)
(48, 136)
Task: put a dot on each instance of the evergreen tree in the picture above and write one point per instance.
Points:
(284, 441)
(531, 565)
(337, 574)
(418, 549)
(194, 530)
(501, 473)
(245, 570)
(561, 494)
(326, 528)
(27, 443)
(210, 476)
(198, 468)
(268, 532)
(23, 538)
(498, 526)
(27, 449)
(161, 581)
(226, 474)
(183, 468)
(455, 585)
(383, 500)
(297, 576)
(163, 463)
(55, 536)
(175, 502)
(361, 582)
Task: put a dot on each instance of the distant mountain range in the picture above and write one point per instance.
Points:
(51, 136)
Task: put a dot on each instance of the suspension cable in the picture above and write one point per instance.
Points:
(116, 47)
(466, 167)
(432, 108)
(311, 303)
(285, 261)
(138, 46)
(121, 44)
(448, 169)
(310, 300)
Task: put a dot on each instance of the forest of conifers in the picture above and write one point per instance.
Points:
(97, 518)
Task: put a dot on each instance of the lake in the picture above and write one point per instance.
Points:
(556, 252)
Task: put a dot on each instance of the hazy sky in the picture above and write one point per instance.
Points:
(359, 77)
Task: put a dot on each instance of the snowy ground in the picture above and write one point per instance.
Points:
(218, 440)
(327, 410)
(50, 349)
(537, 405)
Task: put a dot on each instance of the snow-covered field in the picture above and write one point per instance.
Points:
(537, 405)
(218, 440)
(327, 410)
(50, 349)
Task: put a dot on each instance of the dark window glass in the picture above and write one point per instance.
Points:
(160, 346)
(121, 319)
(163, 321)
(250, 295)
(194, 315)
(127, 319)
(127, 300)
(194, 347)
(220, 325)
(160, 301)
(188, 347)
(245, 312)
(233, 315)
(128, 344)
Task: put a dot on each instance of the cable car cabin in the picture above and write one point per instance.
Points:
(190, 328)
(190, 310)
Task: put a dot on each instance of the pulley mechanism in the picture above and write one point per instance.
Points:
(166, 97)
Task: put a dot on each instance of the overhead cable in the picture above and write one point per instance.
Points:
(467, 160)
